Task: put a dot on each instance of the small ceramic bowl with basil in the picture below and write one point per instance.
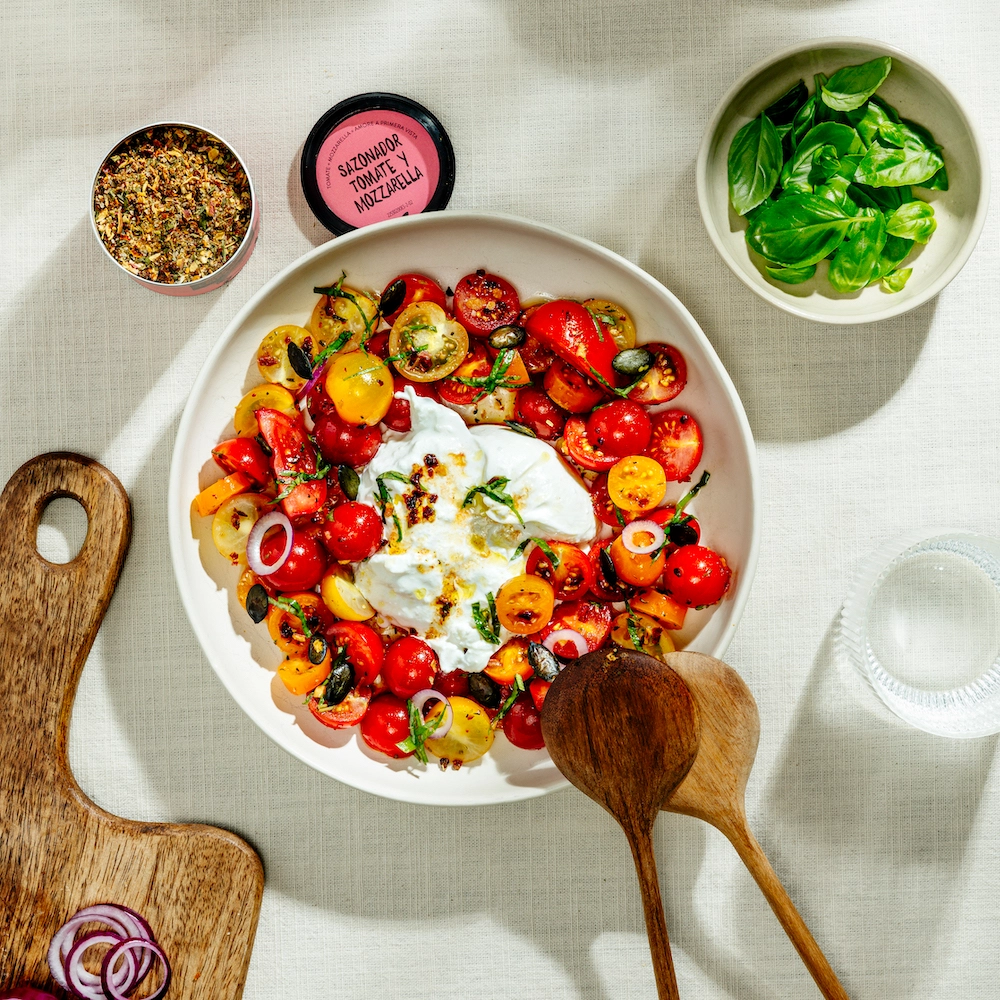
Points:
(842, 181)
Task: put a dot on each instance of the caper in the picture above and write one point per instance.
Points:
(485, 690)
(634, 362)
(392, 297)
(257, 602)
(339, 682)
(349, 481)
(543, 660)
(300, 360)
(317, 649)
(507, 336)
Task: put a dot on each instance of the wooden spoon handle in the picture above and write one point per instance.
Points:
(795, 927)
(652, 905)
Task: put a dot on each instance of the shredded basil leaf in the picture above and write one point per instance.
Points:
(495, 489)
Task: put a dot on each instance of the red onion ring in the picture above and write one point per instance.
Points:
(428, 694)
(303, 393)
(85, 984)
(644, 527)
(307, 419)
(112, 991)
(256, 536)
(120, 919)
(566, 635)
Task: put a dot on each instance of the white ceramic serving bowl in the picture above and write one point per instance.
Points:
(917, 93)
(540, 261)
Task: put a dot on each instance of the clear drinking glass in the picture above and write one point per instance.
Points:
(921, 623)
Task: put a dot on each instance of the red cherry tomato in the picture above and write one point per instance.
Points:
(572, 390)
(577, 336)
(605, 586)
(398, 416)
(243, 455)
(346, 714)
(410, 666)
(665, 379)
(484, 302)
(538, 689)
(354, 532)
(522, 724)
(536, 356)
(477, 364)
(580, 449)
(620, 428)
(378, 344)
(605, 508)
(571, 578)
(590, 619)
(452, 682)
(365, 649)
(676, 444)
(416, 288)
(386, 723)
(535, 409)
(304, 566)
(696, 576)
(345, 444)
(292, 455)
(682, 530)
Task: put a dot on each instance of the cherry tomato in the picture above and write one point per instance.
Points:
(571, 390)
(535, 409)
(346, 316)
(477, 364)
(406, 289)
(536, 356)
(590, 619)
(580, 450)
(286, 627)
(360, 385)
(636, 483)
(606, 584)
(484, 302)
(510, 661)
(397, 417)
(342, 443)
(522, 724)
(386, 723)
(573, 575)
(638, 569)
(664, 609)
(652, 635)
(620, 428)
(300, 675)
(681, 529)
(378, 344)
(676, 444)
(365, 649)
(410, 666)
(303, 568)
(616, 320)
(524, 604)
(538, 689)
(452, 682)
(347, 713)
(604, 507)
(354, 532)
(665, 379)
(293, 458)
(245, 455)
(696, 576)
(426, 343)
(577, 336)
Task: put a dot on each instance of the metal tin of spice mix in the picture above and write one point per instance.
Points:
(174, 207)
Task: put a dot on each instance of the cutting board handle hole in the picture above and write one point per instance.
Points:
(62, 529)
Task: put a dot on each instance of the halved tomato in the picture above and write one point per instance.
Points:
(484, 302)
(590, 619)
(288, 629)
(365, 649)
(571, 576)
(293, 459)
(676, 444)
(406, 289)
(607, 586)
(510, 661)
(524, 604)
(347, 713)
(477, 364)
(665, 379)
(577, 446)
(571, 389)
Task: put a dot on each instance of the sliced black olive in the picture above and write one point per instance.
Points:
(485, 690)
(317, 649)
(300, 360)
(608, 567)
(339, 682)
(634, 362)
(543, 660)
(682, 533)
(392, 297)
(257, 602)
(511, 335)
(349, 481)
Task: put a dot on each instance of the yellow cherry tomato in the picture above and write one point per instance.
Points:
(342, 597)
(426, 343)
(360, 385)
(232, 523)
(272, 355)
(640, 570)
(346, 318)
(300, 675)
(274, 397)
(525, 603)
(510, 661)
(617, 321)
(469, 737)
(652, 635)
(637, 483)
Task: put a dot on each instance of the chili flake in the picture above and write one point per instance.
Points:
(172, 204)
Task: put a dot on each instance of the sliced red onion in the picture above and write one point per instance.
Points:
(307, 419)
(256, 536)
(317, 374)
(120, 919)
(116, 991)
(429, 694)
(85, 984)
(566, 635)
(25, 993)
(639, 528)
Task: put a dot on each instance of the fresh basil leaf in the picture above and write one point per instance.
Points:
(867, 119)
(920, 134)
(939, 182)
(895, 251)
(754, 163)
(891, 166)
(851, 86)
(784, 109)
(825, 164)
(842, 138)
(857, 257)
(799, 230)
(792, 275)
(912, 221)
(837, 190)
(804, 120)
(894, 282)
(887, 198)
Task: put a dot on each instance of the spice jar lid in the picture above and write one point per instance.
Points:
(375, 157)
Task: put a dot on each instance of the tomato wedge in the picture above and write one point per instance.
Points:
(293, 459)
(676, 444)
(577, 336)
(243, 455)
(577, 446)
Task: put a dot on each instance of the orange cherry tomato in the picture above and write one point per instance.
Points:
(300, 675)
(285, 626)
(571, 389)
(361, 387)
(641, 570)
(637, 483)
(525, 603)
(510, 661)
(652, 636)
(658, 605)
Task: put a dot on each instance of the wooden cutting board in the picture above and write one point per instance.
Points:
(199, 887)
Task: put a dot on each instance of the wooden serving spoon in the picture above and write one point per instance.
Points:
(622, 727)
(714, 790)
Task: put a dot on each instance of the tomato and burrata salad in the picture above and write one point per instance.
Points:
(438, 497)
